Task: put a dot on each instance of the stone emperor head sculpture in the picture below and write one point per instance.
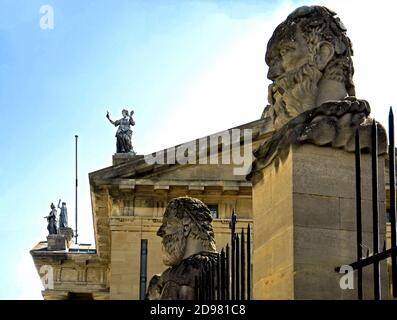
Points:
(312, 95)
(188, 244)
(310, 62)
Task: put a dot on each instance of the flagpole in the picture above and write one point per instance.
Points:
(76, 234)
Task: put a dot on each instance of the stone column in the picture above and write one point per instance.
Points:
(56, 242)
(305, 225)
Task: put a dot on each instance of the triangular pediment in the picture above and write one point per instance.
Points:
(136, 175)
(156, 167)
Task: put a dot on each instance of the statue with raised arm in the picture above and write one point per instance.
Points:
(63, 216)
(188, 247)
(124, 132)
(52, 220)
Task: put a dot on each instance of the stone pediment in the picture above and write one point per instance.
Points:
(132, 174)
(138, 166)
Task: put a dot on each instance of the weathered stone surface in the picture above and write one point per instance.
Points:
(56, 242)
(120, 158)
(312, 95)
(125, 249)
(301, 236)
(323, 126)
(189, 247)
(65, 273)
(309, 58)
(68, 234)
(277, 286)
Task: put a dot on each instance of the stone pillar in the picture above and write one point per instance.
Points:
(68, 235)
(56, 242)
(305, 225)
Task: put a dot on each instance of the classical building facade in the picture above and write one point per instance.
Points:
(128, 200)
(299, 193)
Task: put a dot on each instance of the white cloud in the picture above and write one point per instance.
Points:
(27, 279)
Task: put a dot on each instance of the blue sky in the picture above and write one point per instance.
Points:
(187, 68)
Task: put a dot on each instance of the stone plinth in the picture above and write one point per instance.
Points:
(119, 158)
(55, 295)
(304, 225)
(56, 242)
(68, 234)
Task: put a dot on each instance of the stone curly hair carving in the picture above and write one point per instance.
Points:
(195, 213)
(317, 24)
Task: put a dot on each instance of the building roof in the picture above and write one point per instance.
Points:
(135, 171)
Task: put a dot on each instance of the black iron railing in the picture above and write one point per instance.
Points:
(229, 276)
(377, 255)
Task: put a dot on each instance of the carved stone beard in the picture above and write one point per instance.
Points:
(293, 93)
(174, 247)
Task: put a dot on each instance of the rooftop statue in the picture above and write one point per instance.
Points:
(63, 216)
(188, 245)
(52, 220)
(312, 94)
(124, 132)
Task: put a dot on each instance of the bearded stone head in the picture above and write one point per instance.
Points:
(309, 59)
(186, 230)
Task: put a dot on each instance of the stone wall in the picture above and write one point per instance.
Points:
(127, 233)
(65, 274)
(304, 213)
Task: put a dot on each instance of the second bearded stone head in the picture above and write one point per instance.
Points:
(185, 217)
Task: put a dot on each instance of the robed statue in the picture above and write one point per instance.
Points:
(63, 216)
(124, 132)
(52, 220)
